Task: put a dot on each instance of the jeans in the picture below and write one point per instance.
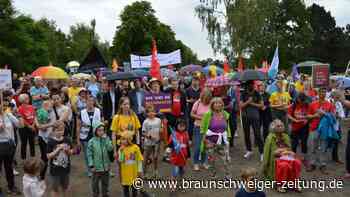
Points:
(233, 126)
(97, 178)
(84, 145)
(302, 136)
(197, 140)
(43, 152)
(27, 135)
(7, 160)
(318, 150)
(255, 123)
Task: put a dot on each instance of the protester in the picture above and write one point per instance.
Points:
(32, 186)
(192, 95)
(44, 125)
(27, 132)
(93, 87)
(178, 103)
(73, 92)
(297, 113)
(82, 100)
(60, 112)
(98, 154)
(318, 146)
(137, 96)
(216, 133)
(265, 111)
(38, 93)
(110, 100)
(250, 104)
(130, 161)
(125, 120)
(180, 149)
(151, 129)
(248, 176)
(59, 149)
(200, 107)
(280, 163)
(8, 148)
(88, 117)
(339, 114)
(280, 101)
(346, 104)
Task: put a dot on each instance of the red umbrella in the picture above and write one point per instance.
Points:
(220, 81)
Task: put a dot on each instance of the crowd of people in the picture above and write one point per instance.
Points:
(109, 123)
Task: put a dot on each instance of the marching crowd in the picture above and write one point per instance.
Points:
(108, 122)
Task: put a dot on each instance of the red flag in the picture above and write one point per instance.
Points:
(240, 66)
(154, 71)
(226, 66)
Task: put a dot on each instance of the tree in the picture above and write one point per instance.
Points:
(139, 26)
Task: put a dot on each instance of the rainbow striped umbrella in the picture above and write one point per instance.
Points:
(50, 72)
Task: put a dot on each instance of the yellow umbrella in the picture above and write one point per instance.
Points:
(81, 76)
(50, 72)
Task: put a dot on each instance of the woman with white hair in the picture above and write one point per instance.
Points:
(280, 163)
(27, 133)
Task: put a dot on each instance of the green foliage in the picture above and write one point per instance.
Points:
(138, 26)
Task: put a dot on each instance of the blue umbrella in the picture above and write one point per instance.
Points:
(141, 73)
(342, 81)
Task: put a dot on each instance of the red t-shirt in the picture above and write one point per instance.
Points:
(27, 112)
(314, 107)
(176, 106)
(180, 159)
(298, 112)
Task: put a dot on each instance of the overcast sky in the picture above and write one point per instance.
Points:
(179, 14)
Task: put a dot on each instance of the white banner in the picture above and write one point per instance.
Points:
(164, 59)
(5, 79)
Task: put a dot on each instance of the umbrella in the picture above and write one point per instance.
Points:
(50, 72)
(309, 63)
(248, 75)
(141, 73)
(219, 71)
(168, 73)
(81, 76)
(122, 76)
(220, 81)
(342, 81)
(72, 64)
(191, 68)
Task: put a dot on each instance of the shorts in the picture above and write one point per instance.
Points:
(152, 150)
(57, 182)
(178, 171)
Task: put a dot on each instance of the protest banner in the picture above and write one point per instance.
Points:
(164, 59)
(320, 75)
(5, 79)
(161, 101)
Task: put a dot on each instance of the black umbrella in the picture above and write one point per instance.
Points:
(122, 76)
(248, 75)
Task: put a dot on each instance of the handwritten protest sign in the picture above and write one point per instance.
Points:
(320, 75)
(5, 79)
(161, 101)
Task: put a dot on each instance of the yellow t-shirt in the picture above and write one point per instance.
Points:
(122, 123)
(279, 98)
(129, 166)
(299, 87)
(73, 95)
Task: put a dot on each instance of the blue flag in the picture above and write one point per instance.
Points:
(295, 73)
(177, 145)
(273, 70)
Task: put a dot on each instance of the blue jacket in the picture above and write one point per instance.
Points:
(326, 127)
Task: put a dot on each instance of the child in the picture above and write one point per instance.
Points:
(59, 149)
(179, 144)
(45, 128)
(32, 187)
(340, 114)
(130, 159)
(151, 129)
(98, 160)
(247, 175)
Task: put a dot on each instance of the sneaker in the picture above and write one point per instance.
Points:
(15, 172)
(261, 157)
(236, 135)
(111, 174)
(89, 174)
(248, 155)
(195, 167)
(206, 166)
